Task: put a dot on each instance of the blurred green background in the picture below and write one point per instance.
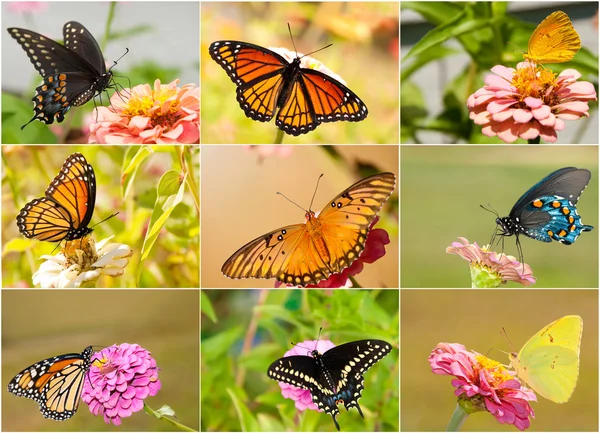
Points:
(442, 188)
(364, 54)
(173, 261)
(474, 318)
(244, 331)
(240, 203)
(40, 324)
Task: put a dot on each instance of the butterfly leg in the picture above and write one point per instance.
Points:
(335, 422)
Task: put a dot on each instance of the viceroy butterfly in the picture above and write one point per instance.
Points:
(267, 83)
(66, 210)
(55, 383)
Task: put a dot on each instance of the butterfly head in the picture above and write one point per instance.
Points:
(507, 226)
(309, 215)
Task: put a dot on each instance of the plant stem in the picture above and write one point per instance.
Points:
(152, 412)
(278, 137)
(111, 15)
(534, 140)
(458, 418)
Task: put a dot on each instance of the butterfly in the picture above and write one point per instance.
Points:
(73, 74)
(268, 83)
(549, 361)
(303, 254)
(547, 210)
(55, 383)
(65, 212)
(554, 40)
(334, 377)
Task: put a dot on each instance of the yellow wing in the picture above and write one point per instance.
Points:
(305, 254)
(554, 40)
(549, 361)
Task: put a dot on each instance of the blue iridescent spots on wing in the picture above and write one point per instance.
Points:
(334, 377)
(548, 210)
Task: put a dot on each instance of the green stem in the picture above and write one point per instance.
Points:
(458, 418)
(355, 284)
(279, 137)
(109, 20)
(152, 412)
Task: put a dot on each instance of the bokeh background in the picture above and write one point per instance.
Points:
(240, 203)
(244, 331)
(173, 260)
(364, 54)
(460, 51)
(39, 324)
(475, 318)
(163, 42)
(442, 188)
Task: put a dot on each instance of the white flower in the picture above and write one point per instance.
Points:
(307, 62)
(81, 262)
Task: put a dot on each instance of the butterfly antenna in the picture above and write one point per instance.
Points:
(107, 218)
(116, 61)
(316, 51)
(290, 30)
(313, 197)
(293, 202)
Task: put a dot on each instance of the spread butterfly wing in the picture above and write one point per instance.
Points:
(554, 40)
(79, 40)
(549, 361)
(54, 383)
(346, 220)
(68, 207)
(317, 98)
(257, 72)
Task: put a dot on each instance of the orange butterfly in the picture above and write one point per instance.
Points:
(554, 40)
(303, 254)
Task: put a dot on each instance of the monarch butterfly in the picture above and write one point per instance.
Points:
(73, 74)
(554, 40)
(303, 254)
(68, 207)
(267, 82)
(55, 383)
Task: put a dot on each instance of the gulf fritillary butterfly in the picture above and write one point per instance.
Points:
(303, 254)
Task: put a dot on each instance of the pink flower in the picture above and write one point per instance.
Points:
(375, 244)
(302, 397)
(266, 150)
(166, 115)
(21, 7)
(485, 383)
(490, 269)
(120, 378)
(529, 102)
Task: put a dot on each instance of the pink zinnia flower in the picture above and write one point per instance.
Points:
(529, 102)
(483, 384)
(167, 114)
(375, 244)
(120, 378)
(490, 269)
(302, 397)
(21, 7)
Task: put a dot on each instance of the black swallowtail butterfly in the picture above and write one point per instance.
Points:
(333, 377)
(73, 74)
(547, 210)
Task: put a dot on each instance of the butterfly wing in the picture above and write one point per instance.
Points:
(345, 221)
(54, 383)
(549, 361)
(554, 40)
(315, 98)
(548, 209)
(68, 207)
(257, 72)
(80, 41)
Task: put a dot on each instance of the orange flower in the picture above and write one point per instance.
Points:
(166, 115)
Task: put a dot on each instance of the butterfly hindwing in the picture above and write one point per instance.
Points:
(54, 383)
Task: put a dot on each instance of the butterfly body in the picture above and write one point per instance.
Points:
(334, 377)
(554, 40)
(54, 383)
(549, 361)
(327, 243)
(269, 85)
(67, 208)
(73, 74)
(548, 210)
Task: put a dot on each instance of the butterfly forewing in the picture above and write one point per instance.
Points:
(554, 40)
(79, 40)
(55, 383)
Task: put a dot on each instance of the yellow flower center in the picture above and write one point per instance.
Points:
(496, 370)
(536, 82)
(153, 107)
(104, 366)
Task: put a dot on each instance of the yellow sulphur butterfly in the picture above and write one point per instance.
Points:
(549, 361)
(553, 41)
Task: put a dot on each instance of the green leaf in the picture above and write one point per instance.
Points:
(206, 307)
(247, 421)
(16, 246)
(131, 164)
